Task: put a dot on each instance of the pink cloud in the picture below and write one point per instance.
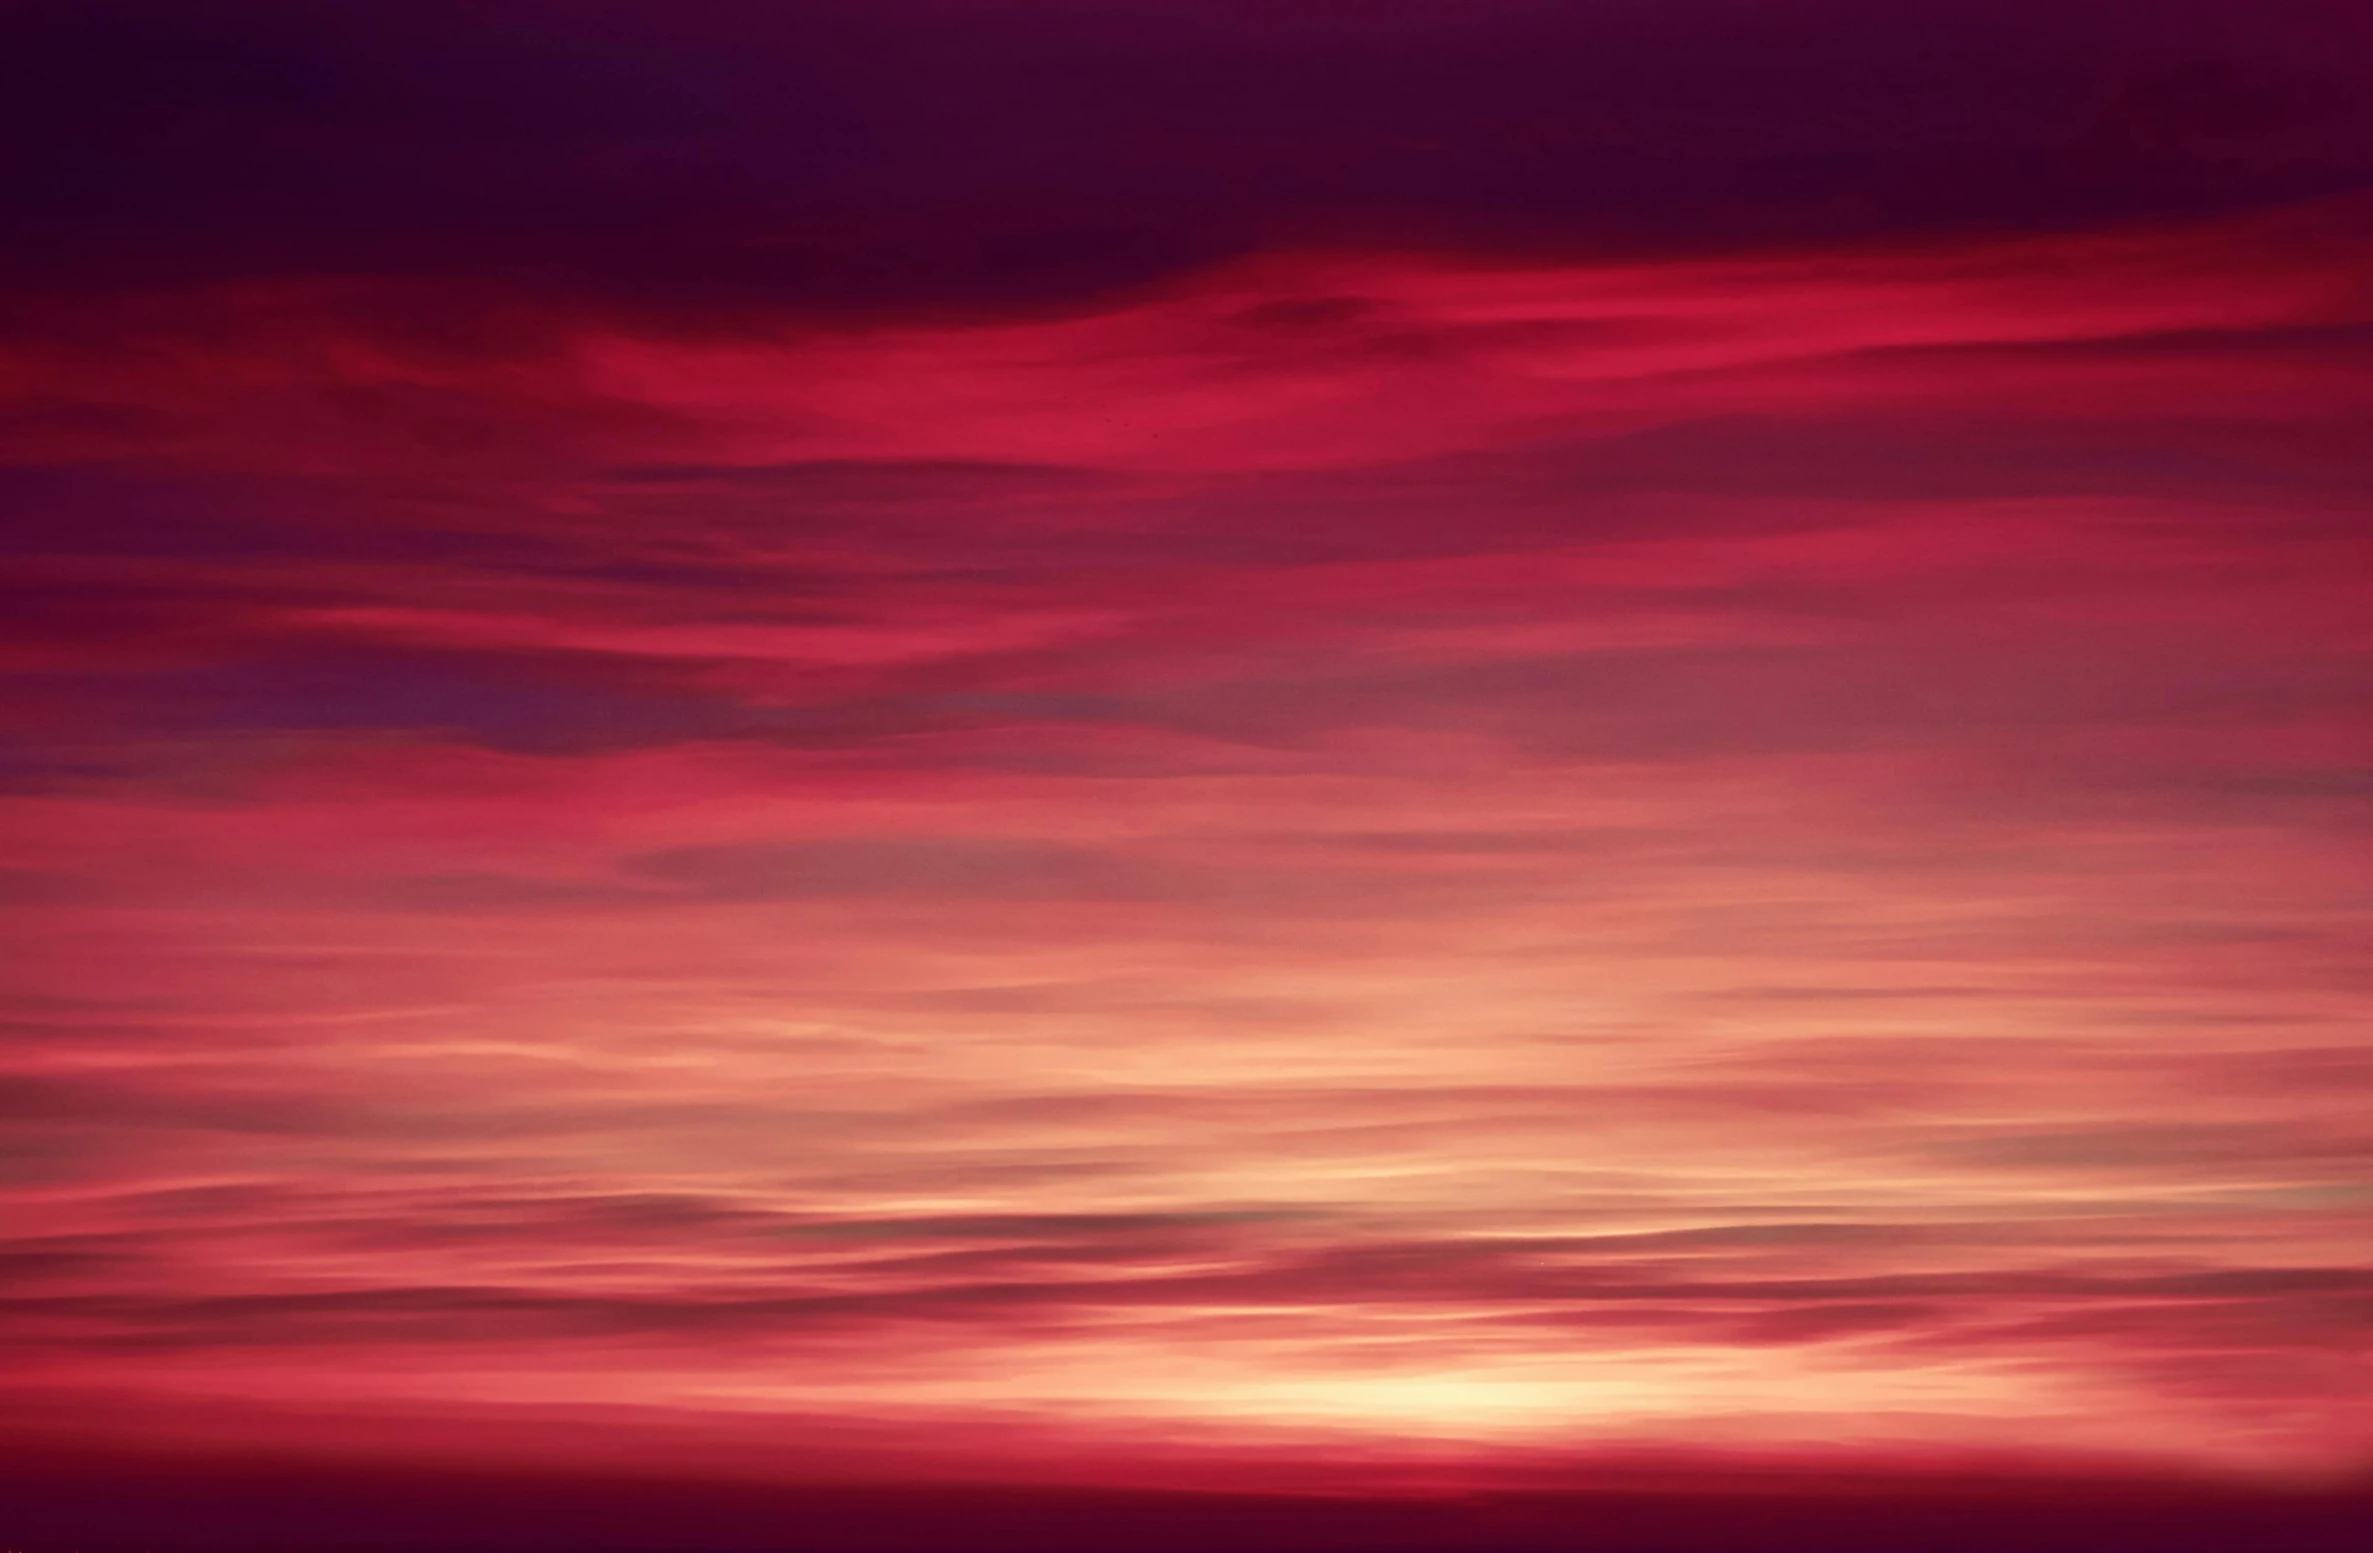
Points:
(1368, 850)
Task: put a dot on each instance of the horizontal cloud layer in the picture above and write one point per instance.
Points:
(1328, 844)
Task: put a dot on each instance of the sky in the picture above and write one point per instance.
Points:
(1380, 755)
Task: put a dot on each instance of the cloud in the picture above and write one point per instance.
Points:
(1611, 825)
(963, 867)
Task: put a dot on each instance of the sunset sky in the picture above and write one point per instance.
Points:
(1339, 748)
